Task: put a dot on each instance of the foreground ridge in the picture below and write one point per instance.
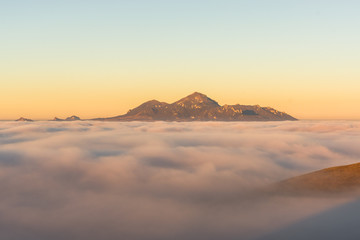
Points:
(344, 178)
(199, 107)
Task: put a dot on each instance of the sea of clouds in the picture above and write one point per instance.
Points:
(162, 180)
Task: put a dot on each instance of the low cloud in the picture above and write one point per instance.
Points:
(161, 180)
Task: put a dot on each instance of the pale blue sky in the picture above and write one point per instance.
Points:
(298, 56)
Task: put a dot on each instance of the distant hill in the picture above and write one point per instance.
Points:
(72, 118)
(22, 119)
(329, 180)
(199, 107)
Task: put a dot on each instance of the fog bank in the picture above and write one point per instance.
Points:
(162, 180)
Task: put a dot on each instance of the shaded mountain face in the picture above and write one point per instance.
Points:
(329, 180)
(199, 107)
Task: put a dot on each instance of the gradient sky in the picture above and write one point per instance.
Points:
(100, 58)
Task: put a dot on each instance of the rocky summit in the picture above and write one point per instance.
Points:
(199, 107)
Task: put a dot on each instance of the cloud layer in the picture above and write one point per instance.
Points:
(161, 180)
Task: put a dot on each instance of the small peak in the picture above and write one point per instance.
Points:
(153, 103)
(22, 119)
(147, 106)
(72, 118)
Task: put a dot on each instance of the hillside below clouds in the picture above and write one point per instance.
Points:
(344, 178)
(199, 107)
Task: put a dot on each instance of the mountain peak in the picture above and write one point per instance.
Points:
(196, 99)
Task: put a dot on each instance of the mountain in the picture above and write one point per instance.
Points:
(22, 119)
(199, 107)
(329, 180)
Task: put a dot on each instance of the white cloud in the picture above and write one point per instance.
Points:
(160, 180)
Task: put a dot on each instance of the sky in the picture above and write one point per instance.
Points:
(101, 58)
